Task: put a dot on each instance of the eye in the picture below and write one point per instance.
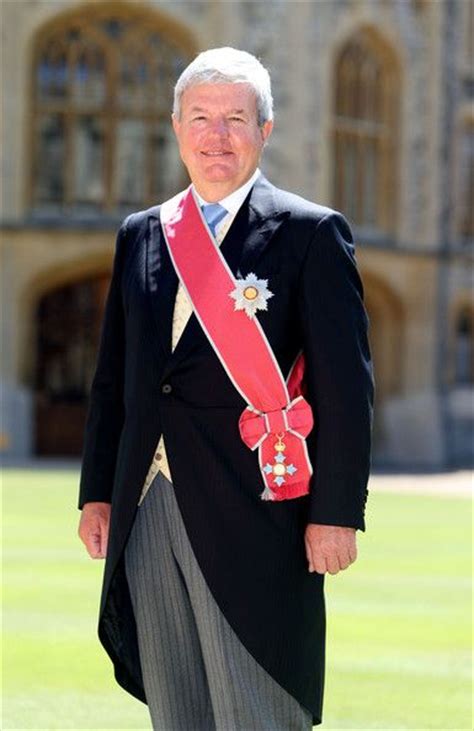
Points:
(236, 118)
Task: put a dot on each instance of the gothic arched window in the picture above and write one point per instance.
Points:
(465, 201)
(102, 98)
(364, 133)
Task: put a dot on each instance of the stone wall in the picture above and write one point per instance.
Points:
(412, 287)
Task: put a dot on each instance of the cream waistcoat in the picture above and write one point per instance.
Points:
(181, 314)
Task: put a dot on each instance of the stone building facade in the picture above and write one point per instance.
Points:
(374, 116)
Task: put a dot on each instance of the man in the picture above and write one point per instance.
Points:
(212, 606)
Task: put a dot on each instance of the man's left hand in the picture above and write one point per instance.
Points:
(329, 548)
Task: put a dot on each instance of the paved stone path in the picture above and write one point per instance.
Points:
(458, 483)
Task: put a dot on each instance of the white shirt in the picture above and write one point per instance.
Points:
(231, 202)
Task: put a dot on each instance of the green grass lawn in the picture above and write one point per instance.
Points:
(398, 633)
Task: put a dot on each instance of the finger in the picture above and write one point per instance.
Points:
(320, 565)
(93, 543)
(309, 557)
(332, 563)
(353, 553)
(83, 532)
(344, 560)
(104, 534)
(318, 560)
(313, 561)
(87, 531)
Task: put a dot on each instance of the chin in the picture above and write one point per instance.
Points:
(219, 172)
(219, 179)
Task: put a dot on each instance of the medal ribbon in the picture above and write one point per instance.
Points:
(274, 422)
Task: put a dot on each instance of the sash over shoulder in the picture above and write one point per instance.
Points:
(277, 418)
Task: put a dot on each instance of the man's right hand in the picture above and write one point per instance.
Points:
(94, 528)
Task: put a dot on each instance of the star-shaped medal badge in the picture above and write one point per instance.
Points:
(251, 294)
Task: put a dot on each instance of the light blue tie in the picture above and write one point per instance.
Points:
(214, 213)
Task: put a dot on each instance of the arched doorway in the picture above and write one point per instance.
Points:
(67, 327)
(386, 337)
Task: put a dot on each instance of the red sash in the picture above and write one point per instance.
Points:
(277, 418)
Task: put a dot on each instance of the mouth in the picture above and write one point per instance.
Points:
(215, 153)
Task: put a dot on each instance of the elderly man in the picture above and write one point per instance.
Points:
(227, 448)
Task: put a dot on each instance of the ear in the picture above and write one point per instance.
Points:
(266, 130)
(176, 124)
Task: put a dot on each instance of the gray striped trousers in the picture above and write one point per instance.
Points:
(197, 674)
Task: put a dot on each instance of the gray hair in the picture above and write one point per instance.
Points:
(223, 66)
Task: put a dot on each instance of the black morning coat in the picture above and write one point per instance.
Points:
(250, 551)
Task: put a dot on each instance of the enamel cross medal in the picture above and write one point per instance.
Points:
(279, 469)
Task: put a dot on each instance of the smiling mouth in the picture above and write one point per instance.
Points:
(218, 153)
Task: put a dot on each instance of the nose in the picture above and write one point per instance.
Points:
(220, 127)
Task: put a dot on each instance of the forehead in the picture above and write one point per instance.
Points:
(220, 96)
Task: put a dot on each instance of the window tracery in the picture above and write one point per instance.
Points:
(364, 133)
(102, 98)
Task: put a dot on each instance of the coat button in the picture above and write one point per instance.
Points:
(166, 388)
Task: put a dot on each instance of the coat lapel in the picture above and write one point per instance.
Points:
(248, 237)
(162, 284)
(262, 221)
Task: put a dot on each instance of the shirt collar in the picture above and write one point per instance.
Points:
(233, 201)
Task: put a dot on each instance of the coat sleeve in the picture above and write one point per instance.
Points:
(106, 410)
(339, 375)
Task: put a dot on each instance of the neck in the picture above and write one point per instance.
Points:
(215, 192)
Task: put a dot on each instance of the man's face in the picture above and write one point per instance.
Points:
(219, 139)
